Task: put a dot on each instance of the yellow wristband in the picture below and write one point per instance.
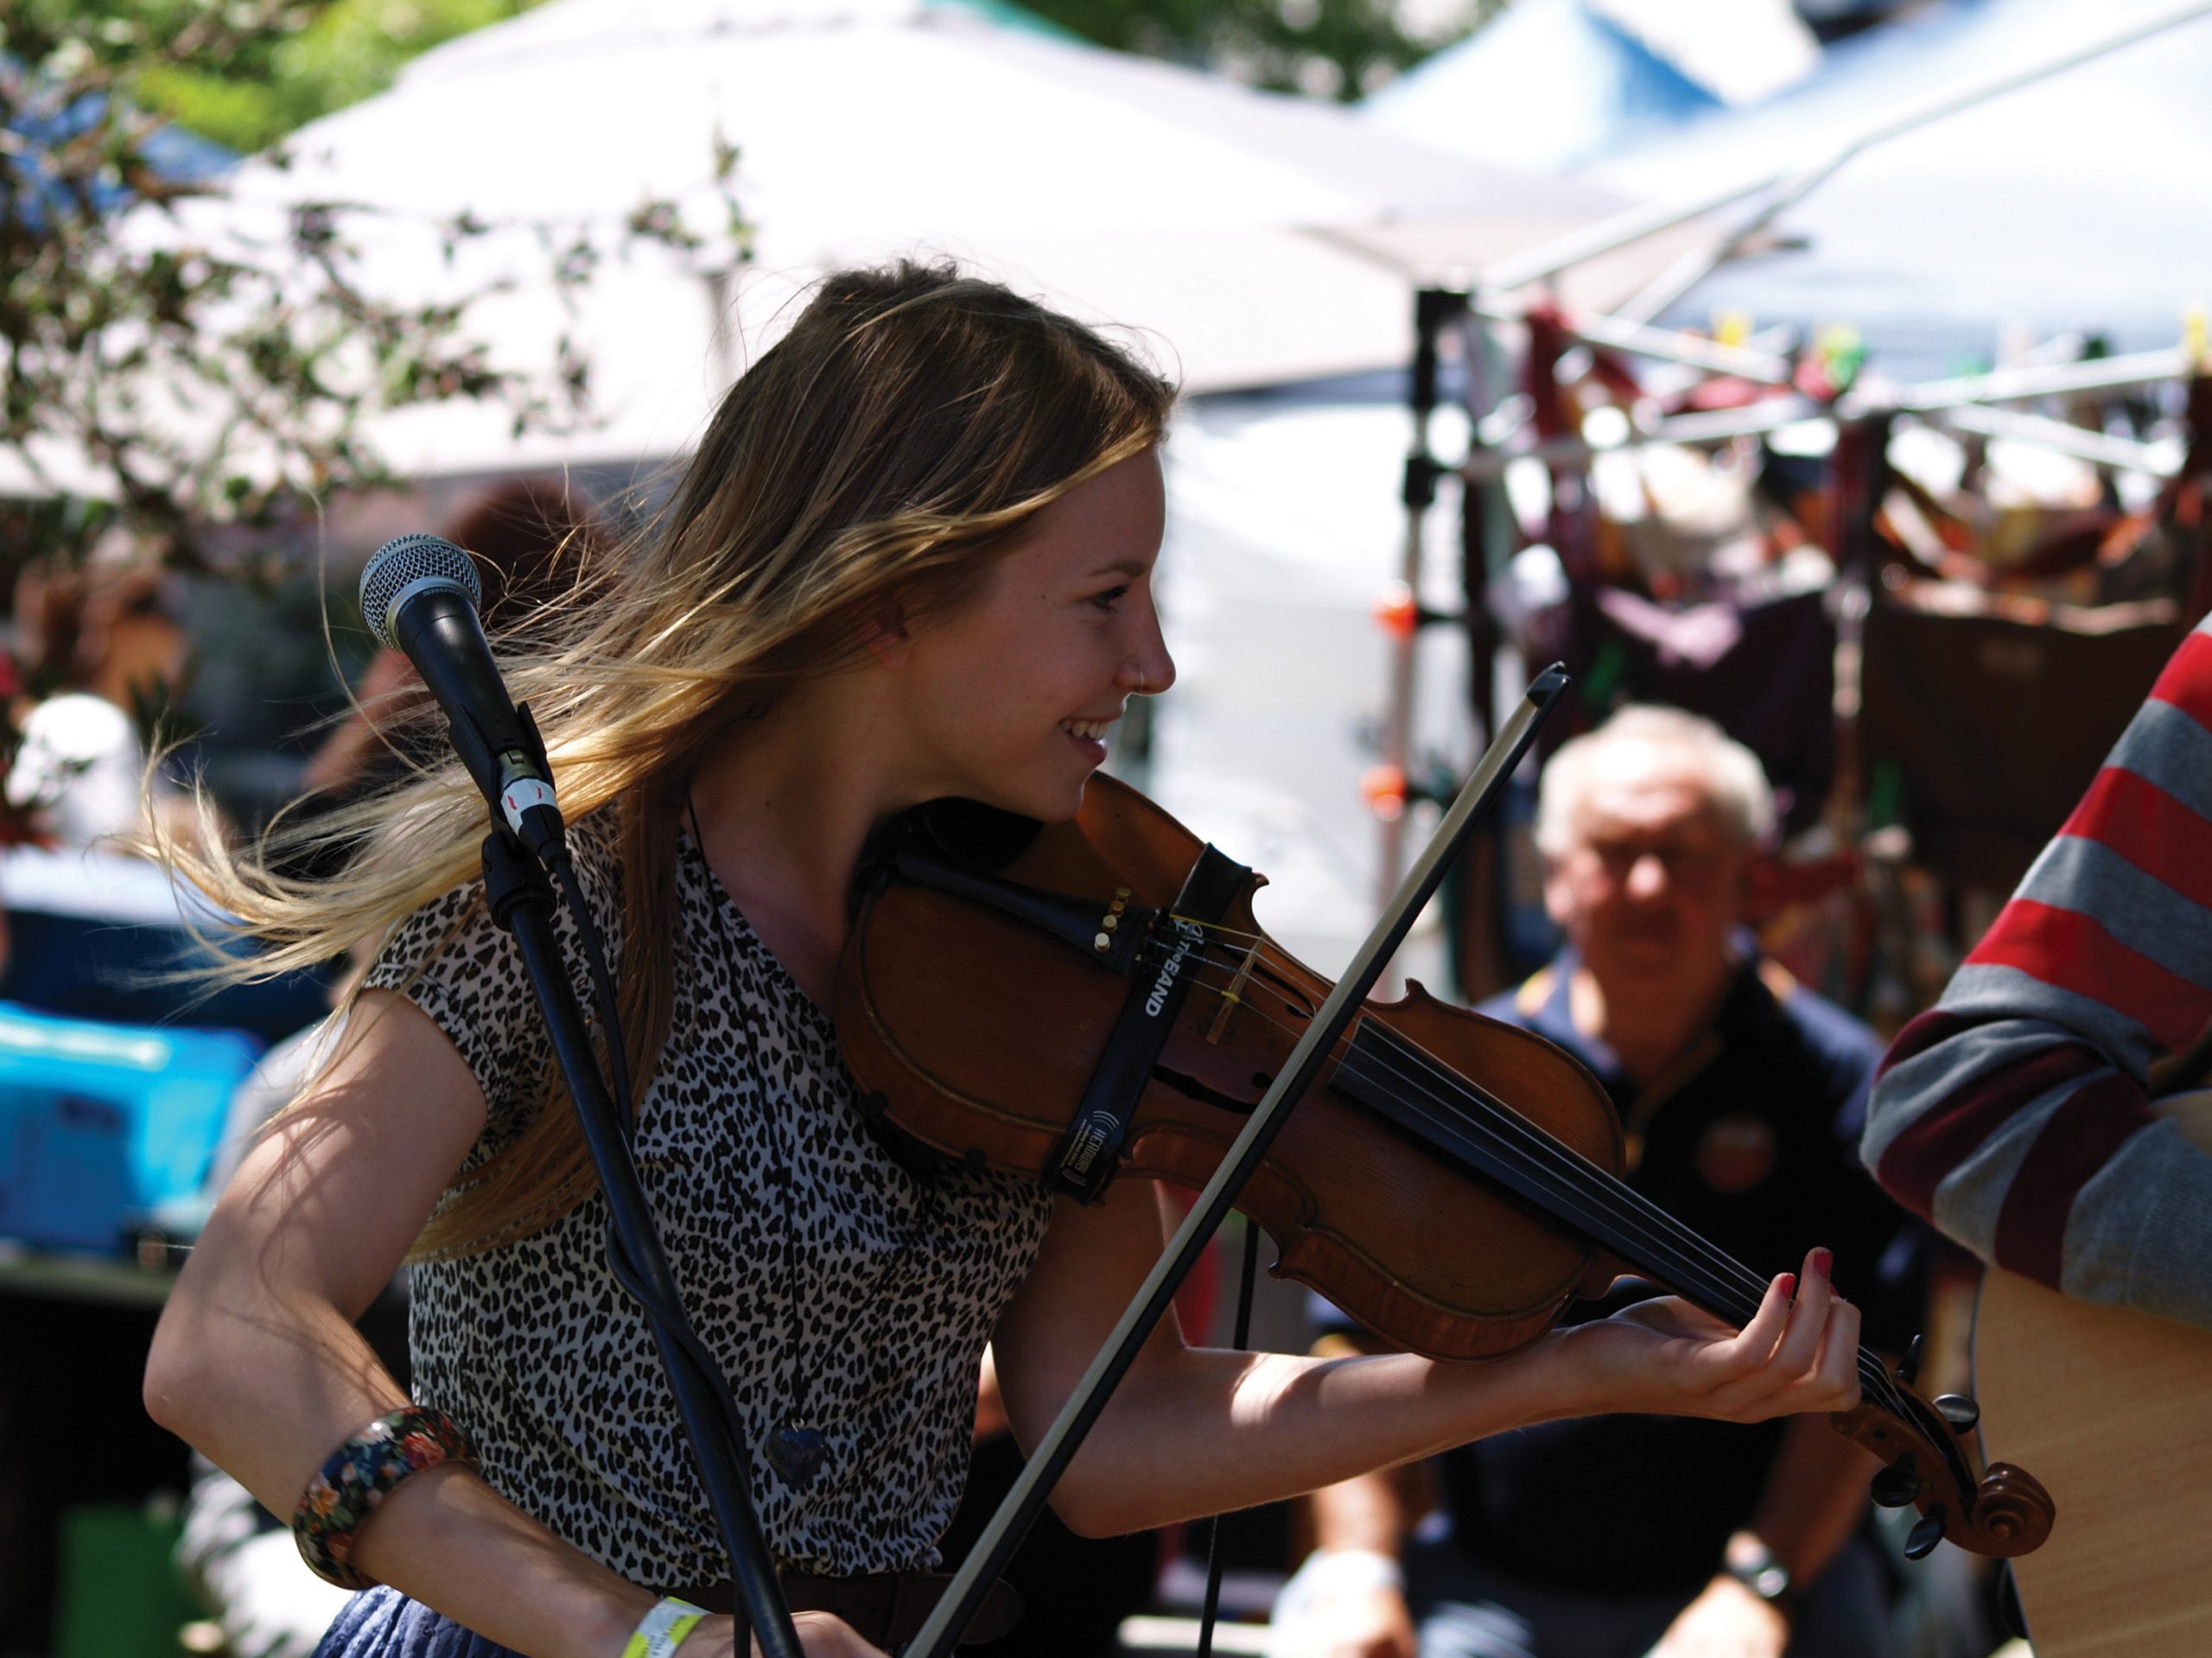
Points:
(662, 1630)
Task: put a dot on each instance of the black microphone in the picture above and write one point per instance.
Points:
(419, 595)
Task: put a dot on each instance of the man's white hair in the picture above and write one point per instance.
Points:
(1734, 779)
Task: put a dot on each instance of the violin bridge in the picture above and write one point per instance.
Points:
(1231, 996)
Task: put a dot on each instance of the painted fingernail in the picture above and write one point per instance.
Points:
(1823, 1262)
(1788, 1283)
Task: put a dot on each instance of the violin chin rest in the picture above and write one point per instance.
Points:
(969, 832)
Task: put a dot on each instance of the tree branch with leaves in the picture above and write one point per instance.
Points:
(182, 364)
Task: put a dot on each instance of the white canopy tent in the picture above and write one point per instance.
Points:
(1245, 239)
(1250, 239)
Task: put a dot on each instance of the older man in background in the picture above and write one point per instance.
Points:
(1741, 1094)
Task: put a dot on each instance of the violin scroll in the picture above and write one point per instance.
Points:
(1930, 1465)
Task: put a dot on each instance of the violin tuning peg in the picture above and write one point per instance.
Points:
(1896, 1486)
(1925, 1535)
(1909, 1366)
(1960, 1411)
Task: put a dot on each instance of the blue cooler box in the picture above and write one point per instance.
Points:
(99, 1124)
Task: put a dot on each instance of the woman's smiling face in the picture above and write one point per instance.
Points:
(1009, 698)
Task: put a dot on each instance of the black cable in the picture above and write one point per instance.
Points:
(602, 986)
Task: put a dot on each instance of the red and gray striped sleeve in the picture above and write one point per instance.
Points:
(2013, 1115)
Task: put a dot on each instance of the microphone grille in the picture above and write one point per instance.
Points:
(408, 562)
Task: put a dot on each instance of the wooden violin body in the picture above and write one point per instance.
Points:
(1450, 1181)
(1375, 1234)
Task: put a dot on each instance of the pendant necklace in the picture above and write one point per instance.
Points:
(795, 1446)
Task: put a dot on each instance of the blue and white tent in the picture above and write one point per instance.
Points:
(1550, 85)
(2074, 202)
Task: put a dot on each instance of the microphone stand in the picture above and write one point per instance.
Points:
(521, 900)
(964, 1595)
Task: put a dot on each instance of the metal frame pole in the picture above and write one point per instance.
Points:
(1434, 308)
(1668, 345)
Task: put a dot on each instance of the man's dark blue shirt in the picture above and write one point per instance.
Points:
(1749, 1140)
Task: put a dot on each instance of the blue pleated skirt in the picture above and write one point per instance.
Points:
(381, 1623)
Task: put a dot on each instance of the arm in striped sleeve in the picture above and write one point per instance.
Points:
(2014, 1115)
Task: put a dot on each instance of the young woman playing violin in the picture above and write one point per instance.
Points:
(912, 559)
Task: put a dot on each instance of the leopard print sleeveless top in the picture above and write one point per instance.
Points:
(829, 1285)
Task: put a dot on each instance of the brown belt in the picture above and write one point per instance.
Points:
(886, 1608)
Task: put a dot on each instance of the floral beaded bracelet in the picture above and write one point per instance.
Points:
(359, 1474)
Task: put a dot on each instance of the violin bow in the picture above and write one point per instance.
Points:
(995, 1547)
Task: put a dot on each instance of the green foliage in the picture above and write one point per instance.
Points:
(353, 49)
(202, 386)
(244, 87)
(1324, 48)
(108, 43)
(321, 55)
(156, 372)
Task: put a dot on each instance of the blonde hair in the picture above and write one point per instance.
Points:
(1734, 781)
(908, 421)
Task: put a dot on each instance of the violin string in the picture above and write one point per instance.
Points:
(1441, 1085)
(1722, 1281)
(1541, 1146)
(1540, 1151)
(1543, 1151)
(1542, 1143)
(1656, 1227)
(1652, 1227)
(1214, 941)
(1236, 960)
(1533, 1141)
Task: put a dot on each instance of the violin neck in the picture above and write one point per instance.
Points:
(1399, 1082)
(1391, 1077)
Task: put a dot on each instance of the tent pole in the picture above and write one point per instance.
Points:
(1952, 398)
(2098, 449)
(1668, 345)
(2047, 380)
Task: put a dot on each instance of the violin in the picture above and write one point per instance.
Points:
(1450, 1181)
